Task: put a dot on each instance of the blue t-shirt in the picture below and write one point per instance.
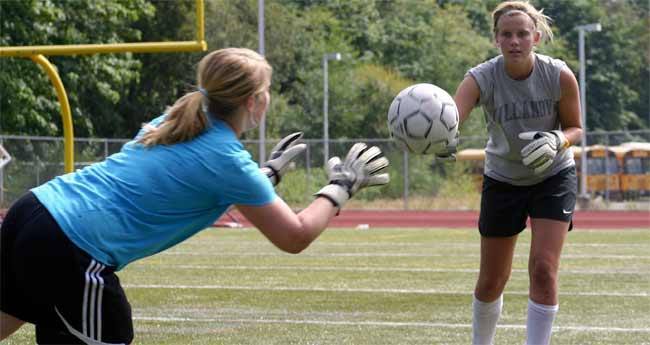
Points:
(141, 200)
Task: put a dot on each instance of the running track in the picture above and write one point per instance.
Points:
(454, 219)
(464, 219)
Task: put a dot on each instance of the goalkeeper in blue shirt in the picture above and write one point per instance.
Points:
(182, 171)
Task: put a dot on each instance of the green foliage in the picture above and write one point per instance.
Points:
(452, 181)
(94, 83)
(28, 104)
(459, 181)
(162, 78)
(617, 66)
(385, 45)
(298, 186)
(617, 70)
(427, 43)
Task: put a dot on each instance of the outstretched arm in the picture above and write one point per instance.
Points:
(467, 95)
(287, 230)
(291, 232)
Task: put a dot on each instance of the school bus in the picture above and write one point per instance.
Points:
(614, 172)
(604, 168)
(635, 175)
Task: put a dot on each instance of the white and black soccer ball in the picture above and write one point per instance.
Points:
(423, 119)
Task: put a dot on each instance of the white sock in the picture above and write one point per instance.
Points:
(540, 323)
(484, 321)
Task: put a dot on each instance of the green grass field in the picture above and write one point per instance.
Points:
(376, 286)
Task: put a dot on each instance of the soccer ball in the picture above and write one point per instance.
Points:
(423, 119)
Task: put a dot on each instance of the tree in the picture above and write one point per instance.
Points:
(434, 41)
(617, 82)
(94, 83)
(163, 78)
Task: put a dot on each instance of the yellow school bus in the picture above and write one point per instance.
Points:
(603, 170)
(634, 158)
(616, 172)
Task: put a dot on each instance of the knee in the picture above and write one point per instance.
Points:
(490, 288)
(543, 273)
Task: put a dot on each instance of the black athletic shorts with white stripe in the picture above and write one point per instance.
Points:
(48, 281)
(505, 208)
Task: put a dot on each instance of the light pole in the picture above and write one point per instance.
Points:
(326, 138)
(260, 36)
(583, 104)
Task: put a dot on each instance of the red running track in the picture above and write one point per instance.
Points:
(463, 219)
(454, 219)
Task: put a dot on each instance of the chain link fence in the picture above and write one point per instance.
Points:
(417, 182)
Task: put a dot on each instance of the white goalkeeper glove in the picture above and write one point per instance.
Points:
(360, 169)
(539, 154)
(281, 155)
(449, 152)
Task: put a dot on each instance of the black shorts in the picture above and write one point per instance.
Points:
(505, 208)
(48, 281)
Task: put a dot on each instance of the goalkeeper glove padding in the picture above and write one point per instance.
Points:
(540, 153)
(281, 156)
(361, 168)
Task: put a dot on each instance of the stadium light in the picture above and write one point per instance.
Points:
(583, 104)
(261, 50)
(326, 139)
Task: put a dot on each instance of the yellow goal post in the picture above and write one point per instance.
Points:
(38, 53)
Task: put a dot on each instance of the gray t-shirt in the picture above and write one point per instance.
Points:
(515, 106)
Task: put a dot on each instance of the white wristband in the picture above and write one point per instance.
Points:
(335, 193)
(272, 174)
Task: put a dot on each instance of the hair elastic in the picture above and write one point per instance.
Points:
(203, 92)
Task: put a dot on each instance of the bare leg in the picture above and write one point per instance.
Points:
(496, 264)
(543, 265)
(544, 261)
(8, 325)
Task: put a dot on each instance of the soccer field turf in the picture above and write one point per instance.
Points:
(376, 286)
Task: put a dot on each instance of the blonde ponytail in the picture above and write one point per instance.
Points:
(227, 78)
(541, 21)
(184, 121)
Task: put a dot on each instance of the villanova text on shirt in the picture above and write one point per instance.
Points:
(524, 110)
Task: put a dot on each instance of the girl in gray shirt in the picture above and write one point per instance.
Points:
(532, 110)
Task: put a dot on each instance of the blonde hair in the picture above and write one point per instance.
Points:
(540, 20)
(226, 79)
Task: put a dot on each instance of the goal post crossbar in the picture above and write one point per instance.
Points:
(198, 44)
(87, 49)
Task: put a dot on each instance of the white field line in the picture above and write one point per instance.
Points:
(365, 290)
(230, 243)
(382, 324)
(382, 269)
(405, 255)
